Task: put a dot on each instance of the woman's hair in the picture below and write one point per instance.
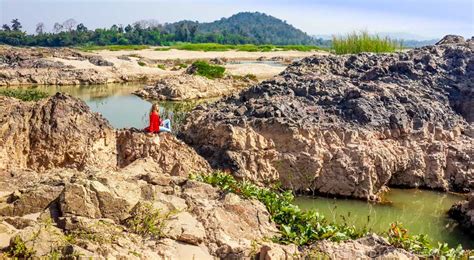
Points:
(155, 108)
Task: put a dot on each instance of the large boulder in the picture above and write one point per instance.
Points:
(350, 125)
(60, 131)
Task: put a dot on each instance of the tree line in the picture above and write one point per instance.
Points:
(150, 32)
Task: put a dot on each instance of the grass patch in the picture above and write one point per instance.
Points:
(207, 70)
(161, 66)
(304, 227)
(113, 48)
(24, 94)
(363, 42)
(141, 63)
(163, 49)
(147, 221)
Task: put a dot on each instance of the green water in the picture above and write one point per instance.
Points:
(418, 210)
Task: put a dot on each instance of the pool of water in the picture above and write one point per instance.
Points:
(419, 211)
(119, 106)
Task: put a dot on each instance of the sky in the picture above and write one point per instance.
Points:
(421, 19)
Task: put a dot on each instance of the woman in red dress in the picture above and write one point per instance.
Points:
(155, 120)
(156, 125)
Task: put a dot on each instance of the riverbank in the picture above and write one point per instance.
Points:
(69, 66)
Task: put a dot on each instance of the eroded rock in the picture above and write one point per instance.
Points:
(350, 125)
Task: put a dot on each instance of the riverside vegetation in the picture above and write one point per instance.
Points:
(303, 227)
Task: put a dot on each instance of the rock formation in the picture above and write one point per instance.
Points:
(351, 125)
(62, 132)
(189, 87)
(463, 212)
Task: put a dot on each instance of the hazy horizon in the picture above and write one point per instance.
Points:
(423, 19)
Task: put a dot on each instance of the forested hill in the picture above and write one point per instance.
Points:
(259, 27)
(241, 28)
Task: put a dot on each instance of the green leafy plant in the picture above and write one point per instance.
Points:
(24, 94)
(207, 70)
(141, 63)
(161, 66)
(296, 226)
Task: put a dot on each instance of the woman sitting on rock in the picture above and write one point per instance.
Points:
(156, 125)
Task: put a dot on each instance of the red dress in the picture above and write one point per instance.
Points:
(155, 123)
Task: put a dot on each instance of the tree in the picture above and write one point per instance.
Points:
(69, 24)
(16, 25)
(5, 27)
(40, 28)
(57, 28)
(81, 28)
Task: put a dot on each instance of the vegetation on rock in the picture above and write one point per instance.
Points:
(24, 94)
(207, 70)
(304, 227)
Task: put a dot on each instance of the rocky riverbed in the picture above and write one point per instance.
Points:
(69, 66)
(350, 125)
(73, 186)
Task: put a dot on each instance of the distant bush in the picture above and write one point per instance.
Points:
(24, 94)
(141, 63)
(207, 70)
(364, 42)
(161, 66)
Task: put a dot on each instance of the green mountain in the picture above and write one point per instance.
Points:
(245, 27)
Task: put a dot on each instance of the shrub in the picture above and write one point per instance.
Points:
(161, 66)
(363, 42)
(207, 70)
(141, 63)
(24, 94)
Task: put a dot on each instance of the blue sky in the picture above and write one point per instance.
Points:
(425, 18)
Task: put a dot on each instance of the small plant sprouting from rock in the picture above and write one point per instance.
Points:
(18, 249)
(141, 63)
(147, 221)
(303, 227)
(161, 66)
(24, 94)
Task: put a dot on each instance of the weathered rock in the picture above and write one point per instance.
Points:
(370, 247)
(60, 131)
(463, 212)
(189, 87)
(350, 125)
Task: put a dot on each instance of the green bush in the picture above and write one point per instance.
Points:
(161, 66)
(207, 70)
(363, 42)
(304, 227)
(147, 221)
(24, 94)
(141, 63)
